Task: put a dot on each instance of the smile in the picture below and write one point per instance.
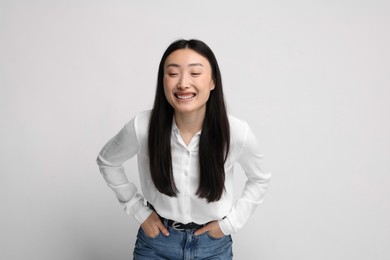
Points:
(184, 96)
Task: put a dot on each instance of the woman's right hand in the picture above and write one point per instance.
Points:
(152, 226)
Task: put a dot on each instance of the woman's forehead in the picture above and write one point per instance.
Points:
(186, 58)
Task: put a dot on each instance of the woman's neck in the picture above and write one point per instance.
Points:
(189, 124)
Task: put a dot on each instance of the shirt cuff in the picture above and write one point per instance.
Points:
(225, 226)
(139, 211)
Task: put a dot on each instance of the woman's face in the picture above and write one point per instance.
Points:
(187, 81)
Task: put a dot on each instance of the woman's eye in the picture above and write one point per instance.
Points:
(172, 74)
(195, 74)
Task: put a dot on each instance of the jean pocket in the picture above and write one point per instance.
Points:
(144, 234)
(212, 237)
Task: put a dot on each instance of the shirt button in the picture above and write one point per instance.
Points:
(186, 194)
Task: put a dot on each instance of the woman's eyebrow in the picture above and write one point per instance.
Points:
(195, 64)
(172, 65)
(178, 66)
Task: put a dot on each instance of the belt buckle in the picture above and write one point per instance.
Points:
(176, 225)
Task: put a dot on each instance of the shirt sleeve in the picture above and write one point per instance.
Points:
(251, 161)
(115, 152)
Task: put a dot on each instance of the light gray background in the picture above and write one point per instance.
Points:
(310, 77)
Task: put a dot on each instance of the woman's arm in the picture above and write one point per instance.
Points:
(251, 161)
(115, 152)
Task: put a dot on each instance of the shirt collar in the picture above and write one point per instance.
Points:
(174, 127)
(176, 130)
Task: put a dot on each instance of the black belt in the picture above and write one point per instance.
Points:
(180, 226)
(176, 225)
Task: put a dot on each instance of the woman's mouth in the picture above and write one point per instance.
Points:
(185, 96)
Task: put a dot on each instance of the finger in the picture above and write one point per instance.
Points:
(202, 230)
(162, 228)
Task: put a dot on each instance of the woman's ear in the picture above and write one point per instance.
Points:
(212, 85)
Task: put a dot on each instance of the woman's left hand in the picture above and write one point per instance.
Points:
(212, 228)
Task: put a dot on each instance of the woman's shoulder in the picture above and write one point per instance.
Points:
(237, 124)
(238, 130)
(138, 126)
(139, 123)
(142, 118)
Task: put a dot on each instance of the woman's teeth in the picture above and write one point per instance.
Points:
(185, 96)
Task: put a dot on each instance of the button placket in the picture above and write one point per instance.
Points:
(186, 192)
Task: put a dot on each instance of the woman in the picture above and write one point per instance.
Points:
(186, 148)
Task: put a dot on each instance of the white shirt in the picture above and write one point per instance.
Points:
(186, 206)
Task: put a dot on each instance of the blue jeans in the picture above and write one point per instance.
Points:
(182, 245)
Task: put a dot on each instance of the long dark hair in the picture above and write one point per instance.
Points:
(214, 140)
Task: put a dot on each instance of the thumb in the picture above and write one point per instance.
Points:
(201, 230)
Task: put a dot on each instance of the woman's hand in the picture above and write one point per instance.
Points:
(212, 228)
(152, 226)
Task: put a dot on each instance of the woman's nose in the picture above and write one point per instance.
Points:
(183, 83)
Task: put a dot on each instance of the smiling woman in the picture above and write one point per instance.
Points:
(187, 85)
(186, 146)
(187, 81)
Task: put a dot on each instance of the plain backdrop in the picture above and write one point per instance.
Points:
(310, 77)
